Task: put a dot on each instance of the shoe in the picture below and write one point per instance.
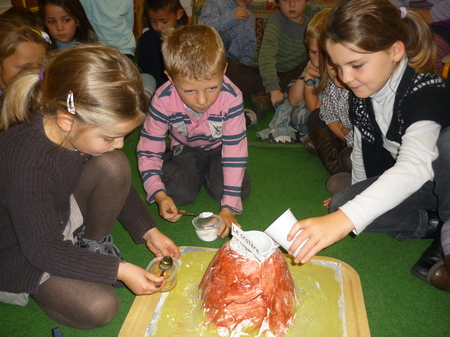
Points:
(432, 255)
(284, 139)
(309, 146)
(261, 102)
(250, 118)
(337, 182)
(105, 246)
(438, 275)
(433, 223)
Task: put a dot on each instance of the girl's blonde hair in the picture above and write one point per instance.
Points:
(107, 88)
(375, 25)
(194, 51)
(13, 33)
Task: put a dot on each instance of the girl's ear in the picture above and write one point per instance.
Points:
(180, 13)
(64, 122)
(398, 50)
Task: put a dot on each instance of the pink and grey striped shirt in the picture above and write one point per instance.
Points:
(222, 124)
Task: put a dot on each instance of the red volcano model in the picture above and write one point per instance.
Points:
(241, 293)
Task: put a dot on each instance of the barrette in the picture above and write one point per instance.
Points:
(70, 104)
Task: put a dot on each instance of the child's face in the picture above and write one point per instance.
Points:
(164, 19)
(97, 140)
(314, 53)
(242, 3)
(61, 26)
(333, 74)
(293, 9)
(26, 54)
(364, 73)
(199, 96)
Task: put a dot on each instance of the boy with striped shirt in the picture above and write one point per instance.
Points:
(203, 113)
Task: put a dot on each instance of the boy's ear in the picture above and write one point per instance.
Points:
(180, 13)
(170, 78)
(64, 122)
(398, 50)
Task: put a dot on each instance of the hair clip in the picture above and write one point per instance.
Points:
(41, 74)
(403, 12)
(70, 104)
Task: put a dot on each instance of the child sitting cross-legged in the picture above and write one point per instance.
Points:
(203, 113)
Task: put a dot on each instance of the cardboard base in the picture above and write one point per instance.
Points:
(143, 308)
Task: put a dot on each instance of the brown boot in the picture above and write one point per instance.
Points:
(327, 148)
(439, 275)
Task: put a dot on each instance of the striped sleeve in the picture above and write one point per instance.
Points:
(234, 155)
(151, 147)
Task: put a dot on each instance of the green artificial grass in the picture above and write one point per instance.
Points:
(283, 176)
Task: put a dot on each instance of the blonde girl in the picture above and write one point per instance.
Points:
(64, 180)
(20, 46)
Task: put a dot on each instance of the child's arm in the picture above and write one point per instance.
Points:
(338, 130)
(297, 91)
(217, 15)
(234, 158)
(311, 73)
(267, 61)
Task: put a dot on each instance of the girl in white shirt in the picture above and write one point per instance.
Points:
(385, 56)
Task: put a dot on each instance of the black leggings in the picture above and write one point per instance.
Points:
(101, 193)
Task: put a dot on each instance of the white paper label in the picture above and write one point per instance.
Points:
(239, 234)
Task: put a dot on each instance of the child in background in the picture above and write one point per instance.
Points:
(280, 58)
(401, 137)
(235, 24)
(161, 15)
(288, 124)
(203, 113)
(66, 22)
(113, 22)
(332, 131)
(20, 47)
(60, 143)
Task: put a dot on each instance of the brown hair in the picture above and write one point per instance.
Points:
(375, 25)
(193, 51)
(107, 88)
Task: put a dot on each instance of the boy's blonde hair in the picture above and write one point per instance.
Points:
(193, 51)
(107, 88)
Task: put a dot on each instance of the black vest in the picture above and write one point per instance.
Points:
(419, 97)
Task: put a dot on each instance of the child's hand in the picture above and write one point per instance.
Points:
(275, 96)
(241, 14)
(161, 245)
(228, 218)
(326, 203)
(167, 208)
(311, 72)
(322, 232)
(138, 280)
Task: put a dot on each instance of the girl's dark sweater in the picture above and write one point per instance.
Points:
(36, 180)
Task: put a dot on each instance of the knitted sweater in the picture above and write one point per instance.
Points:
(220, 14)
(282, 48)
(36, 180)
